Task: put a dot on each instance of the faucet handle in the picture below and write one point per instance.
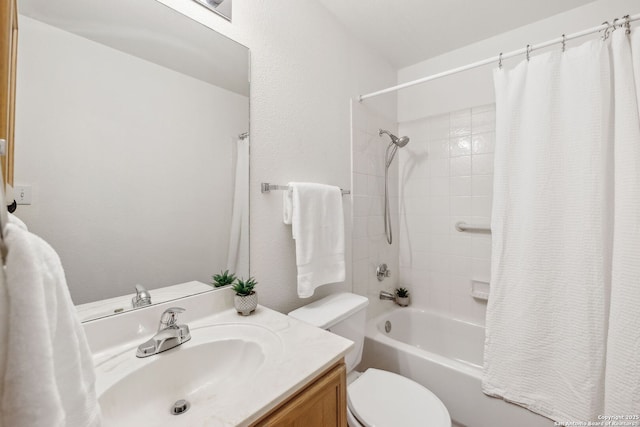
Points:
(170, 317)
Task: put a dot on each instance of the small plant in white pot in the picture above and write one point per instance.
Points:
(402, 297)
(246, 299)
(223, 279)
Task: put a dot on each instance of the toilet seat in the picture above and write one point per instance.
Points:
(384, 399)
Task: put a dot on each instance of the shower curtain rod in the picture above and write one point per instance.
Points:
(617, 23)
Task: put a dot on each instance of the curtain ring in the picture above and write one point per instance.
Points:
(627, 24)
(500, 61)
(614, 25)
(564, 42)
(528, 52)
(605, 34)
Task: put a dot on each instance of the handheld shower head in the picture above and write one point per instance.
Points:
(400, 142)
(388, 158)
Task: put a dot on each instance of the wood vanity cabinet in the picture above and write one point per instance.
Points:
(8, 57)
(323, 403)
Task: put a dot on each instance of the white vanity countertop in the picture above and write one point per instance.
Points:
(303, 352)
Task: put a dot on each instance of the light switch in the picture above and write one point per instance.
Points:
(22, 193)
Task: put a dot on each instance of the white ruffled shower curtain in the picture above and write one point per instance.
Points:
(563, 319)
(238, 254)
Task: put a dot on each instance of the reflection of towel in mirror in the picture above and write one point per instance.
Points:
(317, 225)
(49, 377)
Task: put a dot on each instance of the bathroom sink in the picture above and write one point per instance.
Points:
(211, 371)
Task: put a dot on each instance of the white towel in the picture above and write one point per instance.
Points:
(287, 205)
(317, 225)
(17, 221)
(49, 377)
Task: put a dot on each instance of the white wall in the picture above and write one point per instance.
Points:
(475, 87)
(305, 69)
(446, 173)
(113, 175)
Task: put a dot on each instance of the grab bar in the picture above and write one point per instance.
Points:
(463, 226)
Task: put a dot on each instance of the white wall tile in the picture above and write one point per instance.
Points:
(482, 185)
(481, 206)
(369, 246)
(483, 119)
(439, 186)
(440, 167)
(439, 205)
(439, 148)
(481, 246)
(460, 146)
(461, 205)
(460, 165)
(438, 262)
(481, 269)
(483, 143)
(460, 123)
(438, 127)
(360, 184)
(482, 164)
(460, 186)
(359, 227)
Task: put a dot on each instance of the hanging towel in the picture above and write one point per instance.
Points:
(287, 206)
(49, 378)
(17, 221)
(317, 225)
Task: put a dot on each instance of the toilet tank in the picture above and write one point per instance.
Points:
(343, 314)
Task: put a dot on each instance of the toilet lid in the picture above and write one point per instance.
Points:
(384, 399)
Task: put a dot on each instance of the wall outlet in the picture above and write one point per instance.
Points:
(22, 194)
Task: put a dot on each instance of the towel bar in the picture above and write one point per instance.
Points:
(265, 187)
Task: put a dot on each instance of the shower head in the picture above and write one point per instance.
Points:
(392, 148)
(400, 142)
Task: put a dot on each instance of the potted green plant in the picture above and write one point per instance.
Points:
(223, 279)
(246, 299)
(402, 297)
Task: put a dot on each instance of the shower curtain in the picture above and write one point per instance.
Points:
(238, 255)
(563, 319)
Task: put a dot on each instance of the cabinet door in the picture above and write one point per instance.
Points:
(8, 56)
(322, 404)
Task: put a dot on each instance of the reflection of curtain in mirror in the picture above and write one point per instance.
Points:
(238, 258)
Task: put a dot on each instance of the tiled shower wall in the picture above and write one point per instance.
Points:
(370, 247)
(446, 176)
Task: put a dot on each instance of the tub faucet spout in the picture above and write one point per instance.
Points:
(387, 296)
(141, 298)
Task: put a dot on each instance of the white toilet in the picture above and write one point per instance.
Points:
(375, 398)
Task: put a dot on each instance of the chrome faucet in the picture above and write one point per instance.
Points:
(169, 335)
(387, 295)
(141, 298)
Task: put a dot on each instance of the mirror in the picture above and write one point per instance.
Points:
(131, 139)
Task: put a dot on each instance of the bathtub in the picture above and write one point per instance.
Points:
(444, 355)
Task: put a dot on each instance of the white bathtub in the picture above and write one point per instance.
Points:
(444, 355)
